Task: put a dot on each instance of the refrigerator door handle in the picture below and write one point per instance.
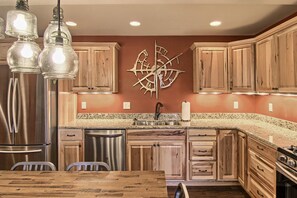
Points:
(9, 105)
(21, 152)
(14, 119)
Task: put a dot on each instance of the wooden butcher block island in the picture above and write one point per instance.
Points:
(83, 184)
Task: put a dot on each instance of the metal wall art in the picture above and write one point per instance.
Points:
(160, 75)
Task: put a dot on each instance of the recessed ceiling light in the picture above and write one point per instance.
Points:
(71, 23)
(215, 23)
(135, 23)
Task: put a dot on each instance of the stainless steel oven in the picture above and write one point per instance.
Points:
(286, 175)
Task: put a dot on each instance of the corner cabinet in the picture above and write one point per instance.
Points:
(242, 159)
(227, 155)
(70, 147)
(98, 67)
(210, 67)
(241, 61)
(156, 149)
(286, 41)
(266, 70)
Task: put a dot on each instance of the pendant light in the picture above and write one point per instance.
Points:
(58, 60)
(20, 22)
(52, 29)
(1, 28)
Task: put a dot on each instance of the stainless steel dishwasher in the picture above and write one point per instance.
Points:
(106, 146)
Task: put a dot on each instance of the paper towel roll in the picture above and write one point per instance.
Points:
(186, 111)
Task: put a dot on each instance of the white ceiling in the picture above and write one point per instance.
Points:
(162, 17)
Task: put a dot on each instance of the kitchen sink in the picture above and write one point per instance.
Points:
(155, 122)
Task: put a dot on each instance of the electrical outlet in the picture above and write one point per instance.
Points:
(270, 107)
(83, 105)
(126, 105)
(235, 105)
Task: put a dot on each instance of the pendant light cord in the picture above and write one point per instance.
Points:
(59, 19)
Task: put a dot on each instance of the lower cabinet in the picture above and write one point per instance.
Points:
(202, 154)
(165, 151)
(261, 169)
(227, 155)
(70, 147)
(242, 159)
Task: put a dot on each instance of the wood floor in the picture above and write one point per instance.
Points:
(212, 192)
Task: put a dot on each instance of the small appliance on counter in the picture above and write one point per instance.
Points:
(186, 113)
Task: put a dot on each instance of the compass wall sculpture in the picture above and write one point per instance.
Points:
(160, 75)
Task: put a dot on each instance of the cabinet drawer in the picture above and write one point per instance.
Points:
(259, 191)
(264, 150)
(69, 135)
(202, 170)
(203, 150)
(263, 169)
(202, 134)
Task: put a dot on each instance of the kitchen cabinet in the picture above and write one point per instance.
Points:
(210, 67)
(261, 169)
(156, 149)
(241, 62)
(227, 155)
(286, 43)
(202, 154)
(98, 67)
(70, 147)
(242, 159)
(266, 66)
(4, 46)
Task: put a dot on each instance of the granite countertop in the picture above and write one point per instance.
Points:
(274, 135)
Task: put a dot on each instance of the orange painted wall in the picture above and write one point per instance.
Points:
(171, 97)
(284, 107)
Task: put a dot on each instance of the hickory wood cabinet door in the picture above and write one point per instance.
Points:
(154, 149)
(227, 155)
(287, 59)
(266, 66)
(98, 67)
(210, 67)
(241, 61)
(242, 159)
(70, 147)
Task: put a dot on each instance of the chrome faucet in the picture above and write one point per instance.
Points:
(157, 110)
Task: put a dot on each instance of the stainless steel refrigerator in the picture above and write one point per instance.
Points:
(28, 118)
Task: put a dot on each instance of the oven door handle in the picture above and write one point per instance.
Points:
(284, 171)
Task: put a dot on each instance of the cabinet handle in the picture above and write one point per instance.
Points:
(260, 148)
(274, 88)
(258, 167)
(202, 151)
(258, 192)
(202, 171)
(202, 135)
(158, 144)
(72, 135)
(154, 144)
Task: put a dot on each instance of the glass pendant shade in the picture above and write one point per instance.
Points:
(52, 29)
(22, 56)
(58, 61)
(20, 22)
(1, 28)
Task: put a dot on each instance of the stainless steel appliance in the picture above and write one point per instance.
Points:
(286, 176)
(106, 146)
(28, 121)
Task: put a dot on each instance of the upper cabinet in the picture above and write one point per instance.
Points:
(210, 67)
(266, 68)
(241, 61)
(286, 42)
(3, 52)
(98, 67)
